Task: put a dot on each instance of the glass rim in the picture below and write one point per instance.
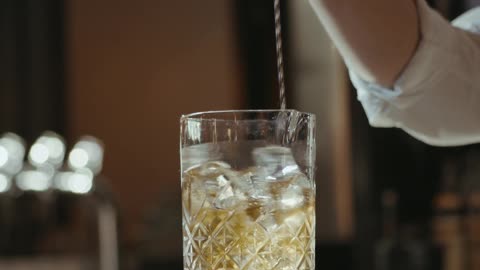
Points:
(197, 115)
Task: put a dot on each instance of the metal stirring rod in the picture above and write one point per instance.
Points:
(279, 46)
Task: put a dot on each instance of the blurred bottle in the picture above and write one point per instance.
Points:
(61, 212)
(85, 208)
(472, 3)
(389, 239)
(471, 187)
(86, 162)
(448, 225)
(400, 247)
(12, 154)
(34, 194)
(473, 229)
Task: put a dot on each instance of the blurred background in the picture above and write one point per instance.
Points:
(124, 72)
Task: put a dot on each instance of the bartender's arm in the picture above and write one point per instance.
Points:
(412, 69)
(377, 37)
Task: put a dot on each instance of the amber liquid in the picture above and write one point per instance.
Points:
(271, 226)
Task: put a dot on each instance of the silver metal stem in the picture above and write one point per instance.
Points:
(279, 46)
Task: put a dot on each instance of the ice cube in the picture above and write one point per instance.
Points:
(240, 189)
(252, 184)
(277, 162)
(207, 181)
(268, 221)
(295, 220)
(208, 169)
(292, 198)
(301, 180)
(196, 155)
(209, 177)
(293, 192)
(226, 199)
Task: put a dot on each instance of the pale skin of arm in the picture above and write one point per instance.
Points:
(377, 37)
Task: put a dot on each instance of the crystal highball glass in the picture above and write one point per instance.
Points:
(248, 190)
